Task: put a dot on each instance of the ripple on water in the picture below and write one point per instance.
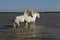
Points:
(34, 33)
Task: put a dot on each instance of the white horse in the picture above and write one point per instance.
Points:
(27, 18)
(33, 19)
(21, 18)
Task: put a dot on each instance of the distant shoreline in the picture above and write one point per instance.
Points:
(22, 12)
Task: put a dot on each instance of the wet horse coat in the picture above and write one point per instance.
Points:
(27, 18)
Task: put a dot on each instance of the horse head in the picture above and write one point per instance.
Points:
(35, 14)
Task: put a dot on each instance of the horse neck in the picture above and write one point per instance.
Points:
(25, 15)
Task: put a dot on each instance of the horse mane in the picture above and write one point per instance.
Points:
(33, 12)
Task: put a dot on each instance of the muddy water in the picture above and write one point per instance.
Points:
(33, 33)
(46, 28)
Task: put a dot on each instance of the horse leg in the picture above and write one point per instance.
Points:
(14, 26)
(33, 24)
(18, 24)
(25, 25)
